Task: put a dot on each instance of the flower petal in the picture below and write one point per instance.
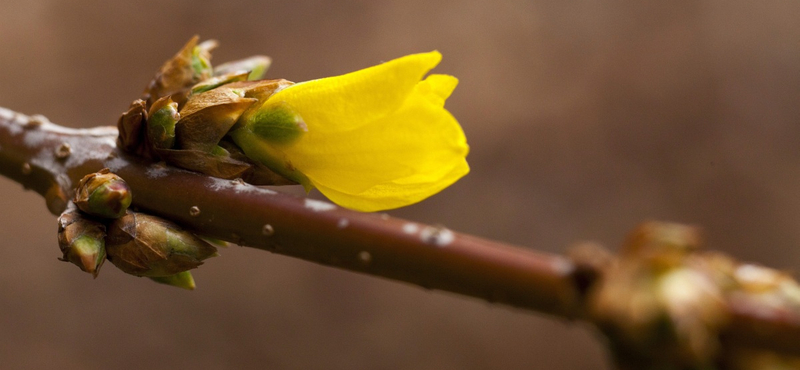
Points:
(394, 195)
(402, 157)
(437, 88)
(351, 100)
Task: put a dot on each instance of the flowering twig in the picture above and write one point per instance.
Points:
(51, 159)
(230, 210)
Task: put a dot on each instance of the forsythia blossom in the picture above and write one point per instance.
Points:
(370, 140)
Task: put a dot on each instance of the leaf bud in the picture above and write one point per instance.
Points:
(81, 241)
(130, 126)
(103, 194)
(207, 117)
(144, 245)
(161, 122)
(188, 67)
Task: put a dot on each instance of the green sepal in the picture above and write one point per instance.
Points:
(261, 151)
(275, 123)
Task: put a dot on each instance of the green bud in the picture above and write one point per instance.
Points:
(81, 241)
(144, 245)
(161, 123)
(103, 194)
(182, 280)
(256, 66)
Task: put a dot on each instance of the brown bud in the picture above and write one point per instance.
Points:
(103, 194)
(661, 243)
(131, 127)
(81, 241)
(144, 245)
(217, 165)
(188, 67)
(208, 117)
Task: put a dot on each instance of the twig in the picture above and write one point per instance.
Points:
(429, 256)
(50, 159)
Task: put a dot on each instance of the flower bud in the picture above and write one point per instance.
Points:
(256, 66)
(181, 280)
(81, 241)
(103, 194)
(161, 123)
(144, 245)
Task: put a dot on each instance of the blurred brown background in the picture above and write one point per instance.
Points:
(584, 119)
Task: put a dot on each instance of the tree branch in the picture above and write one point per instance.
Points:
(51, 159)
(428, 256)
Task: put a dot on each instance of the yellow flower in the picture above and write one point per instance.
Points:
(370, 140)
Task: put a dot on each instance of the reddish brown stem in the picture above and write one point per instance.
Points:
(428, 256)
(432, 257)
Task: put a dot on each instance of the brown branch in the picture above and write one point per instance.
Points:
(33, 154)
(429, 256)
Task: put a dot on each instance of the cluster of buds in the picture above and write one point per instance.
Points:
(374, 139)
(663, 301)
(187, 110)
(98, 226)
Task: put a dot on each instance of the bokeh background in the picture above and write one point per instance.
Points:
(584, 119)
